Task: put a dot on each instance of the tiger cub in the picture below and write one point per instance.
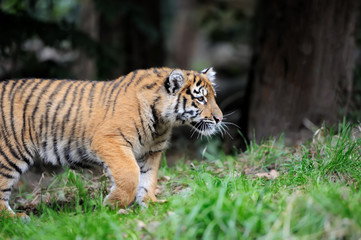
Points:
(122, 125)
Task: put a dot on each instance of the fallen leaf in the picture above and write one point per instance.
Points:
(141, 225)
(123, 211)
(152, 226)
(273, 174)
(164, 179)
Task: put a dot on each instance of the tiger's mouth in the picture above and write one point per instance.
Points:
(205, 127)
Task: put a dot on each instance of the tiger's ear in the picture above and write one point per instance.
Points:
(211, 74)
(174, 81)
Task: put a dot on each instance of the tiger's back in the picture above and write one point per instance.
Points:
(123, 125)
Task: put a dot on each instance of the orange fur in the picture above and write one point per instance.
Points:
(123, 125)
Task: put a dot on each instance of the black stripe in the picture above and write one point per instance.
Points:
(50, 100)
(149, 86)
(66, 154)
(10, 97)
(177, 105)
(47, 118)
(141, 78)
(160, 135)
(155, 118)
(116, 85)
(119, 90)
(197, 91)
(167, 85)
(39, 138)
(66, 119)
(11, 163)
(26, 104)
(105, 93)
(205, 70)
(145, 171)
(130, 81)
(101, 94)
(139, 135)
(80, 147)
(154, 152)
(141, 120)
(30, 134)
(6, 190)
(4, 84)
(55, 144)
(122, 135)
(2, 166)
(14, 90)
(29, 83)
(40, 98)
(35, 110)
(142, 158)
(76, 114)
(91, 97)
(194, 105)
(108, 103)
(4, 125)
(184, 103)
(189, 93)
(6, 175)
(151, 131)
(199, 82)
(8, 144)
(22, 87)
(60, 104)
(77, 165)
(146, 190)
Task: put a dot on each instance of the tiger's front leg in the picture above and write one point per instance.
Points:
(149, 166)
(123, 168)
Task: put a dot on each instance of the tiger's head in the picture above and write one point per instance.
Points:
(192, 100)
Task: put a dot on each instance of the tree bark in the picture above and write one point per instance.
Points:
(183, 40)
(132, 31)
(85, 67)
(303, 65)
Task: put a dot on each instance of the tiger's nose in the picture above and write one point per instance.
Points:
(217, 119)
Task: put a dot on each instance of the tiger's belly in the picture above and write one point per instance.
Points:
(79, 154)
(74, 154)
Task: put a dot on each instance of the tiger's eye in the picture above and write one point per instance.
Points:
(201, 99)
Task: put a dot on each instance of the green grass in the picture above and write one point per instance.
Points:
(315, 196)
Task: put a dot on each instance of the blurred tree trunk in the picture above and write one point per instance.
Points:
(133, 33)
(85, 67)
(303, 65)
(183, 41)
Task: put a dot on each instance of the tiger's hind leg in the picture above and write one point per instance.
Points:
(8, 178)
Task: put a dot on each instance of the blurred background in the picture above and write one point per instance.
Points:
(283, 67)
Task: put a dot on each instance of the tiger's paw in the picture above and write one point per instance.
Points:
(118, 199)
(143, 197)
